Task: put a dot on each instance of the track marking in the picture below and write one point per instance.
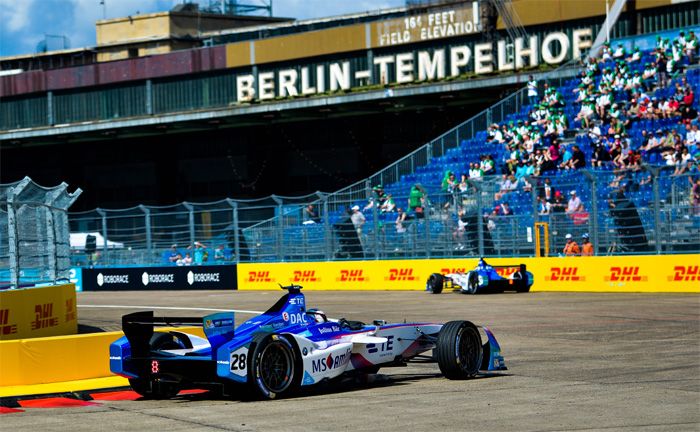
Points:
(170, 308)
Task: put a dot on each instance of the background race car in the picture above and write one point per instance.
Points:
(483, 279)
(286, 348)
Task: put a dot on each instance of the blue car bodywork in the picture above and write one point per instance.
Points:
(287, 347)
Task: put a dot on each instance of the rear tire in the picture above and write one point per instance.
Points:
(459, 350)
(436, 282)
(274, 369)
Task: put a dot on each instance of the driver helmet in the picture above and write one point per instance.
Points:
(318, 315)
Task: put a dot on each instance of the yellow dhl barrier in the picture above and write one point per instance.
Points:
(648, 273)
(38, 312)
(60, 358)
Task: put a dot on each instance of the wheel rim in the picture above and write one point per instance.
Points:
(276, 369)
(468, 350)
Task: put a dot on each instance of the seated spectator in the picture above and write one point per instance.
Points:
(577, 161)
(558, 205)
(601, 156)
(487, 165)
(174, 254)
(575, 205)
(400, 221)
(508, 184)
(310, 216)
(219, 255)
(388, 206)
(544, 207)
(475, 171)
(186, 261)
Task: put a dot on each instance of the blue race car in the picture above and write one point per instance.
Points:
(483, 279)
(286, 348)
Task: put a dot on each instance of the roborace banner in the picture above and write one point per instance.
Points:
(159, 278)
(651, 273)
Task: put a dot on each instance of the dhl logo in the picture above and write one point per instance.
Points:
(305, 276)
(685, 273)
(447, 270)
(5, 327)
(352, 276)
(402, 274)
(44, 316)
(506, 271)
(261, 276)
(71, 313)
(625, 274)
(564, 274)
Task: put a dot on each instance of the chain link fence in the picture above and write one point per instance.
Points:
(647, 211)
(34, 235)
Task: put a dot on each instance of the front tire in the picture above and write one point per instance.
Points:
(274, 369)
(472, 283)
(459, 350)
(436, 282)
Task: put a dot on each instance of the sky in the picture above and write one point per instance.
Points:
(23, 23)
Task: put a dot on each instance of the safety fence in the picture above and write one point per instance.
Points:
(646, 211)
(34, 235)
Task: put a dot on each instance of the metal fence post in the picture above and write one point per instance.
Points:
(280, 227)
(50, 232)
(657, 204)
(327, 226)
(13, 234)
(105, 249)
(479, 219)
(594, 209)
(190, 210)
(147, 220)
(236, 240)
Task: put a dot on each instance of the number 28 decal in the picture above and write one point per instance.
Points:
(239, 363)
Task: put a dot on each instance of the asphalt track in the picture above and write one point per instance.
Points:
(577, 362)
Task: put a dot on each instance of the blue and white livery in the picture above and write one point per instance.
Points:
(286, 348)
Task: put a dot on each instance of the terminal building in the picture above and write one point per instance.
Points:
(187, 105)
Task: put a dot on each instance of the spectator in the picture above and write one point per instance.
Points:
(574, 205)
(219, 255)
(695, 195)
(200, 253)
(543, 206)
(559, 205)
(571, 248)
(587, 246)
(449, 182)
(358, 220)
(174, 254)
(186, 261)
(578, 159)
(532, 90)
(508, 184)
(388, 206)
(310, 216)
(400, 220)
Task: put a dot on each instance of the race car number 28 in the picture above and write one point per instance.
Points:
(239, 363)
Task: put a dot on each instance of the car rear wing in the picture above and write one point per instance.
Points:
(138, 329)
